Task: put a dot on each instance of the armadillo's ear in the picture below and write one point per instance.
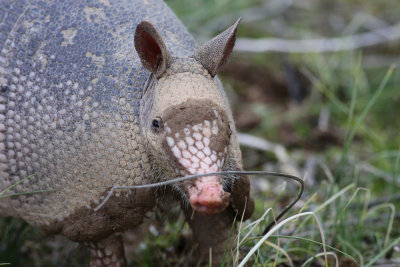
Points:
(214, 54)
(151, 48)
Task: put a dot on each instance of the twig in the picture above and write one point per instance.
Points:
(323, 120)
(268, 9)
(379, 61)
(382, 200)
(288, 207)
(310, 170)
(288, 166)
(189, 177)
(351, 42)
(350, 222)
(377, 172)
(367, 167)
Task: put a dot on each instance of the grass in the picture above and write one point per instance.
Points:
(344, 208)
(348, 215)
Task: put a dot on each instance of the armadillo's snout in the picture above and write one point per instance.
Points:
(207, 195)
(200, 145)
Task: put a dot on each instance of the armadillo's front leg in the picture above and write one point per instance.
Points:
(212, 233)
(107, 252)
(242, 203)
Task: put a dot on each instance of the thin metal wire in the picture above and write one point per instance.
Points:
(189, 177)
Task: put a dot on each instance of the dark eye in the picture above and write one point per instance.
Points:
(229, 130)
(157, 124)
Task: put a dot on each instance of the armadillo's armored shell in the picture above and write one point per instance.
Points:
(70, 87)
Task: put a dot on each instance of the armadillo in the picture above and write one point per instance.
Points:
(99, 93)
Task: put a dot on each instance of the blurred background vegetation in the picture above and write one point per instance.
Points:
(331, 118)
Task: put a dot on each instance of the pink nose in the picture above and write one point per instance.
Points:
(210, 201)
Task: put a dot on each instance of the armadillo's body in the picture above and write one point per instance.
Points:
(71, 85)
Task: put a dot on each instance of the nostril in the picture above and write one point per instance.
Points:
(227, 188)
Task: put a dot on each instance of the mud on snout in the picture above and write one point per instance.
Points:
(197, 136)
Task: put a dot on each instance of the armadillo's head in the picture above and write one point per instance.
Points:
(194, 138)
(184, 117)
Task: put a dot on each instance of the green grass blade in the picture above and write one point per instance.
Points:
(382, 253)
(17, 183)
(315, 242)
(26, 193)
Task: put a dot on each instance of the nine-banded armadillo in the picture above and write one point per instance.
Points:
(97, 93)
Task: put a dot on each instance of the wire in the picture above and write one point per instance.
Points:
(189, 177)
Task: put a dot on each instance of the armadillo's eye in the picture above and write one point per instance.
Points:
(157, 124)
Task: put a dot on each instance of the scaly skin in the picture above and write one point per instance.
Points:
(71, 85)
(107, 252)
(79, 93)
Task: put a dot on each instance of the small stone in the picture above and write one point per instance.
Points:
(170, 141)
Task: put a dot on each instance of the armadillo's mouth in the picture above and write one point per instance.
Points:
(193, 149)
(207, 195)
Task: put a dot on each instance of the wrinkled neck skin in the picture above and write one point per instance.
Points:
(184, 122)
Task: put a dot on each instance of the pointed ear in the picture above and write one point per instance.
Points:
(214, 54)
(151, 48)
